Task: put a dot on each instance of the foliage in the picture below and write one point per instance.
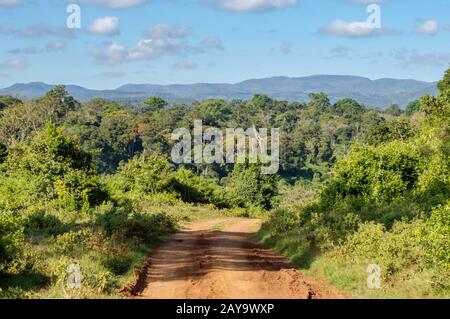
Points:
(3, 153)
(144, 175)
(412, 108)
(387, 131)
(153, 104)
(382, 173)
(11, 237)
(386, 204)
(8, 100)
(91, 183)
(253, 187)
(52, 167)
(394, 110)
(444, 84)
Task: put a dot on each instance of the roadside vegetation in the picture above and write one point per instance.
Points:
(92, 185)
(387, 202)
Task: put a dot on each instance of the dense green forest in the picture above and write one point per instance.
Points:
(93, 184)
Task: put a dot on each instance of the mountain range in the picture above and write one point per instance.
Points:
(379, 93)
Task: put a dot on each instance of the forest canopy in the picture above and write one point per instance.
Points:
(93, 182)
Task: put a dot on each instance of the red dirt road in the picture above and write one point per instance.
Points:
(219, 259)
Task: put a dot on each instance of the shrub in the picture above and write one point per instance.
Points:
(193, 188)
(129, 224)
(142, 175)
(383, 173)
(147, 227)
(50, 167)
(38, 220)
(11, 238)
(117, 263)
(72, 242)
(398, 250)
(282, 221)
(437, 241)
(253, 187)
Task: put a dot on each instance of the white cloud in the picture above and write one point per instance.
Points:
(350, 29)
(113, 4)
(251, 5)
(412, 57)
(37, 31)
(9, 3)
(105, 26)
(159, 40)
(429, 27)
(110, 53)
(55, 45)
(162, 30)
(27, 50)
(14, 64)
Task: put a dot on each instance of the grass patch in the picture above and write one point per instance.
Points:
(347, 275)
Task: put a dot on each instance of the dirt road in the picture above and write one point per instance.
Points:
(219, 259)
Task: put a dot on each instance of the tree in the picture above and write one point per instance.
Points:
(412, 107)
(394, 110)
(252, 186)
(119, 134)
(262, 101)
(3, 153)
(143, 175)
(20, 122)
(59, 101)
(153, 104)
(50, 167)
(444, 84)
(319, 101)
(348, 108)
(381, 173)
(389, 131)
(8, 100)
(213, 112)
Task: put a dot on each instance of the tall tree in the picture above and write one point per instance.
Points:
(445, 82)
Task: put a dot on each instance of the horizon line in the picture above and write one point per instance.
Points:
(219, 83)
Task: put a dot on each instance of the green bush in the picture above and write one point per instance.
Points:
(117, 263)
(397, 250)
(38, 220)
(52, 167)
(383, 173)
(147, 227)
(252, 187)
(192, 188)
(11, 238)
(437, 239)
(282, 221)
(124, 222)
(73, 242)
(142, 175)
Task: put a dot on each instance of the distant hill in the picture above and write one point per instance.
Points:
(375, 93)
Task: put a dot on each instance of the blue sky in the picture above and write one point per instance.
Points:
(187, 41)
